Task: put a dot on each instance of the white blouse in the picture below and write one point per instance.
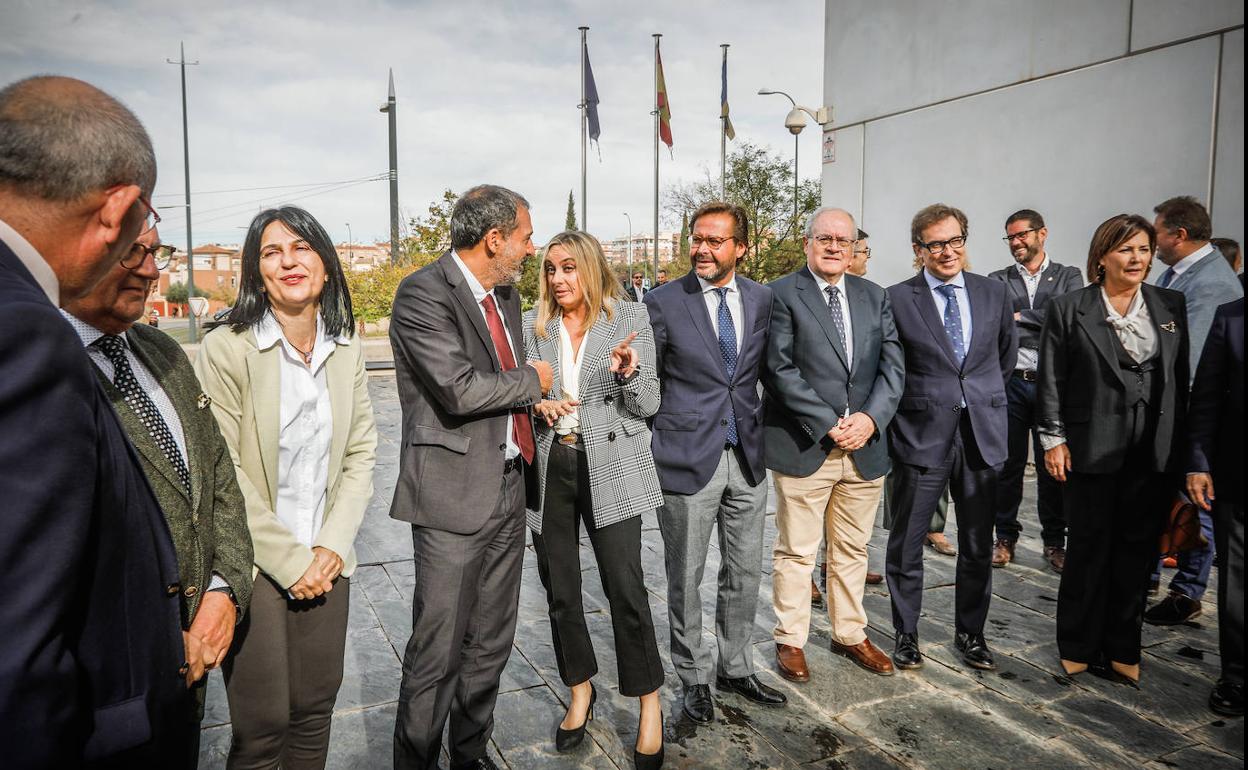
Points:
(569, 379)
(1135, 329)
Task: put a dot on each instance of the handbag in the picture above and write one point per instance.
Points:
(1182, 531)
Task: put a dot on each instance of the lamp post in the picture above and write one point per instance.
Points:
(391, 110)
(795, 121)
(350, 252)
(630, 245)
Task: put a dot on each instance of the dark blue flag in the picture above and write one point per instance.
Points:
(591, 100)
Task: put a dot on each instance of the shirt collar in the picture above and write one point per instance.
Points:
(269, 332)
(479, 292)
(1185, 264)
(708, 287)
(1137, 308)
(823, 284)
(86, 332)
(1025, 273)
(958, 280)
(30, 257)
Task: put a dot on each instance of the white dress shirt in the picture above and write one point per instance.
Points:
(732, 297)
(1185, 264)
(964, 303)
(569, 379)
(33, 261)
(1029, 358)
(306, 427)
(479, 294)
(844, 301)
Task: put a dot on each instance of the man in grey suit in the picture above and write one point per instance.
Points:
(466, 394)
(710, 337)
(833, 377)
(1196, 268)
(1030, 283)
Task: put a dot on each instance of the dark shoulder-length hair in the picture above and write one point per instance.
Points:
(1112, 233)
(253, 303)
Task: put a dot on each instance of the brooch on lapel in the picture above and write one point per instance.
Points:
(1169, 326)
(203, 401)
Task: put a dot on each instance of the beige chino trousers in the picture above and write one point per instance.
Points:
(837, 504)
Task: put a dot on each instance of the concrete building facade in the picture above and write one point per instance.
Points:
(1080, 110)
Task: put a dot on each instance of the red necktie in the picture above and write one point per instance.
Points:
(521, 428)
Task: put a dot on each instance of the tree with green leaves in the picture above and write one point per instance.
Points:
(429, 236)
(177, 293)
(569, 222)
(684, 234)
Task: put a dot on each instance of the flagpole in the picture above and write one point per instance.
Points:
(584, 128)
(723, 139)
(657, 118)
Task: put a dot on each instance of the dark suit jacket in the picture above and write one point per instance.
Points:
(808, 383)
(631, 291)
(209, 526)
(1215, 417)
(1082, 393)
(89, 667)
(696, 394)
(931, 404)
(455, 399)
(1055, 281)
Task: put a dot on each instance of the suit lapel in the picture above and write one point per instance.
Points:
(265, 377)
(597, 344)
(695, 305)
(1047, 280)
(1018, 287)
(463, 295)
(1164, 326)
(138, 433)
(548, 350)
(509, 306)
(982, 321)
(176, 389)
(859, 318)
(340, 381)
(1092, 318)
(927, 311)
(813, 299)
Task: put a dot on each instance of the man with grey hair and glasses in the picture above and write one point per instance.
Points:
(93, 665)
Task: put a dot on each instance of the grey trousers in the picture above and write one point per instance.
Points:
(686, 521)
(463, 623)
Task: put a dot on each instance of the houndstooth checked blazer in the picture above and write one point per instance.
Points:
(622, 478)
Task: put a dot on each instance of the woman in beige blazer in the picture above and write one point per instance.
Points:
(288, 388)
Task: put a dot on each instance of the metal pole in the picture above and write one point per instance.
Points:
(656, 155)
(584, 129)
(391, 110)
(723, 140)
(630, 245)
(350, 251)
(795, 144)
(192, 333)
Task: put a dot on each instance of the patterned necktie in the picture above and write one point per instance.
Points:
(1166, 278)
(142, 405)
(953, 321)
(838, 317)
(521, 428)
(728, 352)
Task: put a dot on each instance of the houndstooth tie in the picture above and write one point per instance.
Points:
(142, 404)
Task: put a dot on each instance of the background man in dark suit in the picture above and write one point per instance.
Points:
(1215, 430)
(1030, 283)
(89, 669)
(710, 336)
(184, 457)
(957, 330)
(1196, 268)
(833, 377)
(466, 395)
(637, 289)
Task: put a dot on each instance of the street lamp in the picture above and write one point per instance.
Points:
(630, 245)
(795, 121)
(350, 253)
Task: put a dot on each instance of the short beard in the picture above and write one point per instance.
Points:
(1027, 256)
(503, 274)
(720, 272)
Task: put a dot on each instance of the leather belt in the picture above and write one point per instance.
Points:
(570, 439)
(512, 464)
(1026, 375)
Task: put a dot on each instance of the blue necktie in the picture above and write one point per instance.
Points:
(728, 352)
(953, 322)
(1166, 278)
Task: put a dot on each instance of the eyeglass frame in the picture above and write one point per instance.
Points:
(148, 251)
(1021, 234)
(151, 210)
(712, 243)
(936, 248)
(866, 251)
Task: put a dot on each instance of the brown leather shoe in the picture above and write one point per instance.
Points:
(816, 598)
(1056, 556)
(940, 544)
(874, 578)
(867, 655)
(792, 663)
(1002, 552)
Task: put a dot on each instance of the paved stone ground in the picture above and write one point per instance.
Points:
(942, 716)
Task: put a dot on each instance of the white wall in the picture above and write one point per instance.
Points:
(1078, 110)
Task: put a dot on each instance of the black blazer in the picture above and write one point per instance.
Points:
(1215, 418)
(931, 404)
(1055, 281)
(808, 383)
(92, 647)
(1082, 394)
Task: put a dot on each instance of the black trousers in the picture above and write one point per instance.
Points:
(916, 490)
(1021, 396)
(617, 550)
(1114, 520)
(1228, 529)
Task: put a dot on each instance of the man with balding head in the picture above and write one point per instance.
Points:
(92, 666)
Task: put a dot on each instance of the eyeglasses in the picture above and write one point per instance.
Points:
(162, 254)
(825, 241)
(865, 252)
(697, 240)
(1020, 235)
(936, 248)
(152, 219)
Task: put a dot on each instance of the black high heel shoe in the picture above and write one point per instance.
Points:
(649, 761)
(566, 740)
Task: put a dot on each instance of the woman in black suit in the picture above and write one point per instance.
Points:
(1113, 390)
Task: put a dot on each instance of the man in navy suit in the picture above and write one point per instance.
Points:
(710, 336)
(957, 330)
(90, 666)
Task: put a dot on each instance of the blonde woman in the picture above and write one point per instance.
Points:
(596, 470)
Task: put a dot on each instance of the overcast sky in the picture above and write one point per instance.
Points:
(487, 92)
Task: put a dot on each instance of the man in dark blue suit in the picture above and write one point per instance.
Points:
(92, 666)
(710, 336)
(957, 330)
(1215, 430)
